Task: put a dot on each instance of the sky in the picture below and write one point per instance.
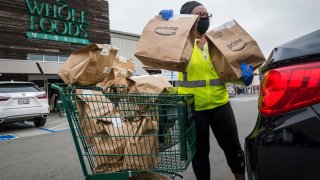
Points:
(269, 22)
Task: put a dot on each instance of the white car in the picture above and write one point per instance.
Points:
(23, 101)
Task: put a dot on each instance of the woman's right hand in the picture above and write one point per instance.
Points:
(166, 14)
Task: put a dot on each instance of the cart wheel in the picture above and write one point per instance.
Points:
(39, 122)
(149, 176)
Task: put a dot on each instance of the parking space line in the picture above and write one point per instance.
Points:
(59, 126)
(7, 137)
(53, 131)
(45, 129)
(61, 130)
(53, 122)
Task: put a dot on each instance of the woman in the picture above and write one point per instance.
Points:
(212, 104)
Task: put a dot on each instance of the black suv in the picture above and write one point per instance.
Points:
(285, 142)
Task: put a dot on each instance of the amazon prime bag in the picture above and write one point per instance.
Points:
(167, 44)
(230, 46)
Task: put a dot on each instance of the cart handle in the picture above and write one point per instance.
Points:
(57, 86)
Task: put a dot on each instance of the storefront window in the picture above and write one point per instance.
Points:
(35, 57)
(63, 58)
(50, 58)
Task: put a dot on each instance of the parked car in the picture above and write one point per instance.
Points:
(285, 142)
(231, 91)
(22, 101)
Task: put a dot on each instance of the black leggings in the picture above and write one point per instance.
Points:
(222, 122)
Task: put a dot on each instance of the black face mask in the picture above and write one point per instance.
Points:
(203, 25)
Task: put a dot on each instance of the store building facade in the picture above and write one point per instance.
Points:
(37, 36)
(127, 43)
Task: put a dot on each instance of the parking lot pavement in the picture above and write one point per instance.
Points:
(244, 98)
(54, 124)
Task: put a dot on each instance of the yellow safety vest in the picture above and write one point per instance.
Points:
(202, 80)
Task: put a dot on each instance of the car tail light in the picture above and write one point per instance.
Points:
(42, 96)
(4, 98)
(290, 88)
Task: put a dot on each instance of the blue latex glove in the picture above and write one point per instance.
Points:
(247, 73)
(166, 14)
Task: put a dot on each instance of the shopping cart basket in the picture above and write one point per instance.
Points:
(119, 135)
(60, 107)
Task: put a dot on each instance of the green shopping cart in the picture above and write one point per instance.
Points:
(60, 107)
(119, 135)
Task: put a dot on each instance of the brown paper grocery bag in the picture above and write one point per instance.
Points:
(142, 147)
(104, 145)
(121, 69)
(167, 44)
(230, 46)
(110, 142)
(88, 65)
(89, 126)
(141, 154)
(92, 107)
(125, 63)
(154, 84)
(134, 107)
(97, 104)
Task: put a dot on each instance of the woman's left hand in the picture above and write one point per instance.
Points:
(247, 73)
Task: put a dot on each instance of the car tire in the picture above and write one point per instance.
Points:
(39, 122)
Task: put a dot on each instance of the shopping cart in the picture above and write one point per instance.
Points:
(119, 135)
(60, 107)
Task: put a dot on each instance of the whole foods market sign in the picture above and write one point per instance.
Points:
(57, 22)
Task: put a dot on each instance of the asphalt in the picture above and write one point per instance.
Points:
(54, 124)
(53, 155)
(48, 156)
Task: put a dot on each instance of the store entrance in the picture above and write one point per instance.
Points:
(44, 82)
(53, 94)
(13, 77)
(51, 81)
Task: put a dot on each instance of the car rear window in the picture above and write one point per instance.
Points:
(12, 88)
